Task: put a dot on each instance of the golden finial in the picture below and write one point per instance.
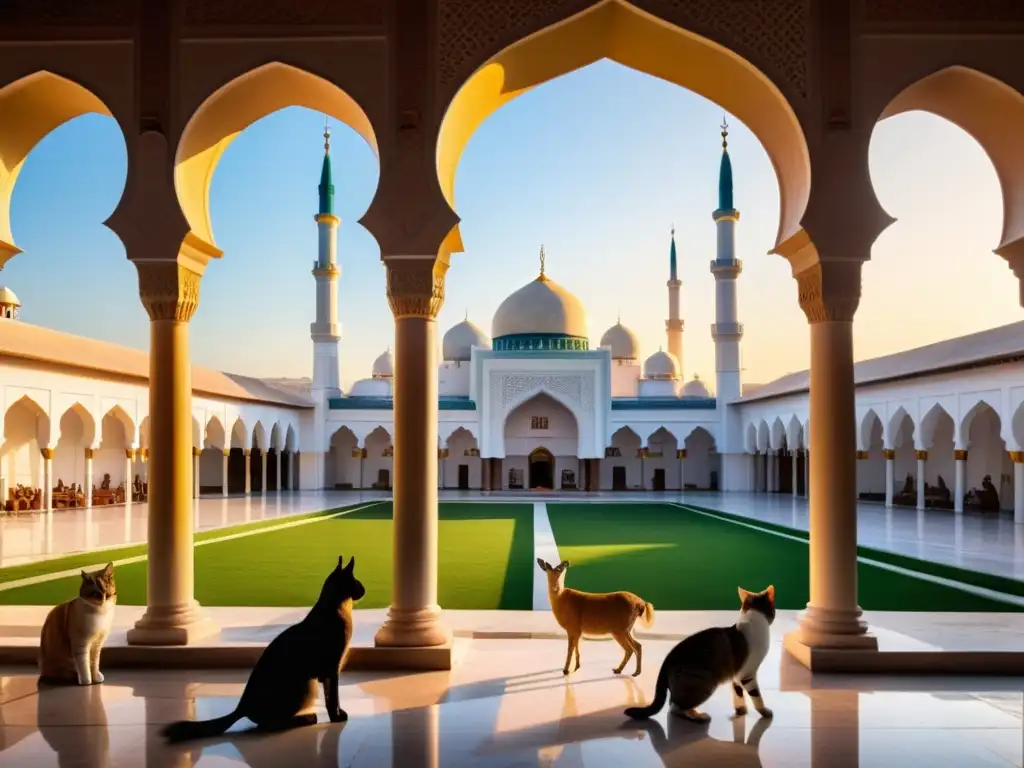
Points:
(542, 257)
(327, 136)
(725, 134)
(619, 319)
(466, 318)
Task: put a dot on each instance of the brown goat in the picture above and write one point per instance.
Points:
(594, 615)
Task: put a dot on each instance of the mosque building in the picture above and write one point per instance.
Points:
(533, 405)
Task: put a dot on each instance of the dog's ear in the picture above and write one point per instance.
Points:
(543, 566)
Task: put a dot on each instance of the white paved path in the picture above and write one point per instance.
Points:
(545, 548)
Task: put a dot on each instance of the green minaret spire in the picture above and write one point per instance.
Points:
(672, 268)
(326, 187)
(725, 173)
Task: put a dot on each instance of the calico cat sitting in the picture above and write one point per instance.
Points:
(282, 688)
(695, 668)
(74, 632)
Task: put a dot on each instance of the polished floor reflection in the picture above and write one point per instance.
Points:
(507, 704)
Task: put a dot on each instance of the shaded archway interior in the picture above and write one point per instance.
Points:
(236, 106)
(635, 39)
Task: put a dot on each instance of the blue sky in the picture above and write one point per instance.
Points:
(597, 165)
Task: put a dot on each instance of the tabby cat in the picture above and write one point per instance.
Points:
(282, 688)
(74, 632)
(695, 668)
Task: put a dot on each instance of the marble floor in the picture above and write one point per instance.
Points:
(984, 543)
(507, 704)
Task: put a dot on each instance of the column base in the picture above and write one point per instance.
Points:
(417, 628)
(172, 627)
(832, 629)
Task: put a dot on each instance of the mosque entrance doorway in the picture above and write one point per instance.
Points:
(658, 481)
(542, 469)
(618, 478)
(463, 477)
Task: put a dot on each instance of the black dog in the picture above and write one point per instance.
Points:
(283, 684)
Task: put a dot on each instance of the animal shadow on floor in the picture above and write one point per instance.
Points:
(689, 743)
(316, 746)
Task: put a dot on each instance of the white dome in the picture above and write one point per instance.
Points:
(384, 366)
(7, 297)
(460, 340)
(695, 388)
(623, 342)
(540, 307)
(661, 365)
(371, 388)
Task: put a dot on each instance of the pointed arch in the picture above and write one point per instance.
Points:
(121, 416)
(751, 438)
(235, 106)
(980, 407)
(290, 439)
(794, 433)
(935, 418)
(33, 107)
(259, 436)
(86, 421)
(28, 409)
(992, 113)
(866, 428)
(900, 426)
(197, 433)
(277, 437)
(634, 38)
(763, 437)
(240, 435)
(216, 436)
(625, 436)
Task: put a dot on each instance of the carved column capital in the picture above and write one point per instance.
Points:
(197, 451)
(889, 454)
(226, 452)
(863, 455)
(921, 455)
(960, 455)
(129, 454)
(89, 453)
(169, 290)
(246, 452)
(829, 290)
(415, 286)
(47, 453)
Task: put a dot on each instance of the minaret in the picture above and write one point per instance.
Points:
(325, 330)
(674, 324)
(727, 330)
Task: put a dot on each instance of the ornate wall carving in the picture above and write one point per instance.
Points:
(774, 31)
(947, 11)
(287, 13)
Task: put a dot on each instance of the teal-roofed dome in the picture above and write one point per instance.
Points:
(540, 316)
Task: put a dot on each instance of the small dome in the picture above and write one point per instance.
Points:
(460, 339)
(384, 366)
(541, 308)
(8, 298)
(371, 388)
(661, 365)
(695, 388)
(623, 342)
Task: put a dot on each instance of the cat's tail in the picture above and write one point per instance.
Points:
(646, 616)
(187, 730)
(660, 695)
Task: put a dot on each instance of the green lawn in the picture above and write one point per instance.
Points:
(484, 550)
(682, 560)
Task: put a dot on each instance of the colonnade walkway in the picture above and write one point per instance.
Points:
(988, 543)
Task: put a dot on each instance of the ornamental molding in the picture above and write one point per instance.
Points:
(574, 390)
(771, 33)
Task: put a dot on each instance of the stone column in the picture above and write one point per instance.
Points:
(795, 471)
(959, 486)
(362, 467)
(922, 462)
(248, 471)
(196, 454)
(170, 293)
(442, 454)
(263, 470)
(485, 474)
(890, 475)
(129, 460)
(225, 453)
(829, 294)
(47, 500)
(681, 455)
(87, 488)
(1018, 486)
(807, 474)
(861, 456)
(771, 484)
(497, 481)
(642, 453)
(415, 288)
(752, 473)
